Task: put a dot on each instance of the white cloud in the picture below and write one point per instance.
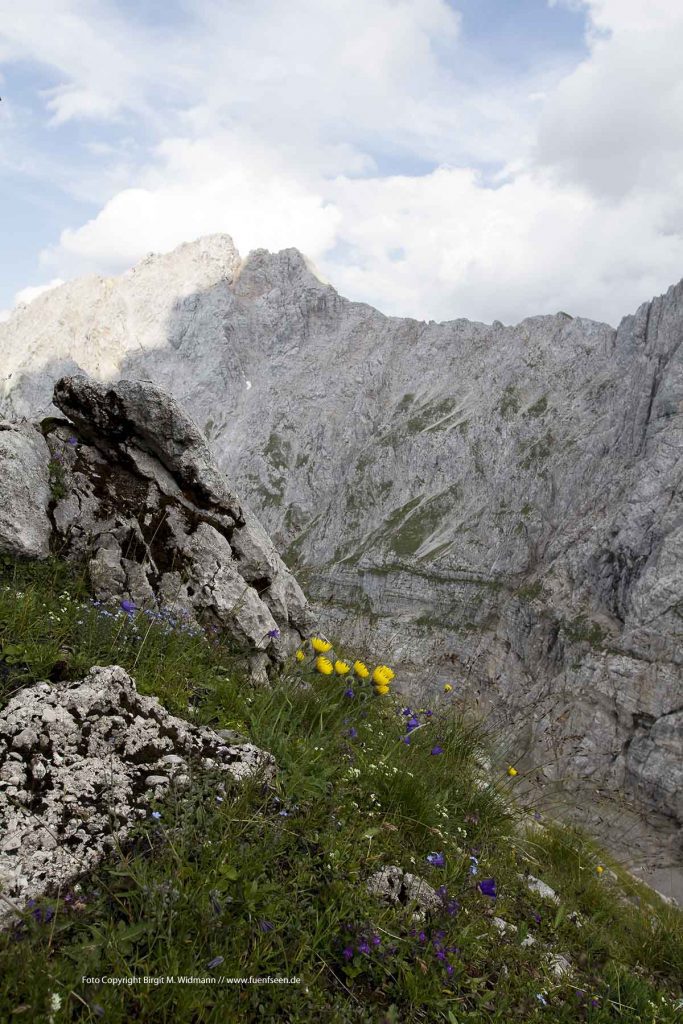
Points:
(284, 125)
(616, 122)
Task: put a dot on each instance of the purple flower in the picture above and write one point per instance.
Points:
(363, 947)
(412, 723)
(348, 953)
(375, 940)
(537, 815)
(129, 606)
(214, 963)
(487, 887)
(449, 969)
(421, 937)
(406, 739)
(406, 711)
(265, 926)
(437, 750)
(156, 815)
(348, 693)
(274, 634)
(72, 440)
(352, 733)
(428, 714)
(283, 814)
(437, 860)
(537, 918)
(440, 955)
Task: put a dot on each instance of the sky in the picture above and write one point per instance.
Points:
(489, 159)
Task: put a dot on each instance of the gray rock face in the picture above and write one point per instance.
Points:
(24, 492)
(496, 506)
(80, 763)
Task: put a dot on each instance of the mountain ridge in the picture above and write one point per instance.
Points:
(499, 504)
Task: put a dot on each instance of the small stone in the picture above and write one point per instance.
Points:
(559, 965)
(157, 780)
(540, 888)
(503, 926)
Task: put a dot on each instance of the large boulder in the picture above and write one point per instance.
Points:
(81, 762)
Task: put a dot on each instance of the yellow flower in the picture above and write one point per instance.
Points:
(512, 772)
(447, 688)
(324, 666)
(382, 689)
(361, 670)
(321, 646)
(599, 869)
(300, 655)
(382, 675)
(341, 668)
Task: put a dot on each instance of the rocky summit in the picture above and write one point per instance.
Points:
(494, 506)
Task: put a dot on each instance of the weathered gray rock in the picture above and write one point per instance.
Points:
(80, 763)
(24, 491)
(559, 966)
(539, 888)
(394, 885)
(138, 412)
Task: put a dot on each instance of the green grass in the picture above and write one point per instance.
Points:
(283, 894)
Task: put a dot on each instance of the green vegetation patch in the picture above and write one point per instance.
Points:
(538, 408)
(581, 629)
(509, 402)
(411, 527)
(429, 414)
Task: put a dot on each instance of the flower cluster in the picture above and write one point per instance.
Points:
(327, 663)
(381, 678)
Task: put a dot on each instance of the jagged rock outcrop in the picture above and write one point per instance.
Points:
(499, 506)
(136, 493)
(80, 763)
